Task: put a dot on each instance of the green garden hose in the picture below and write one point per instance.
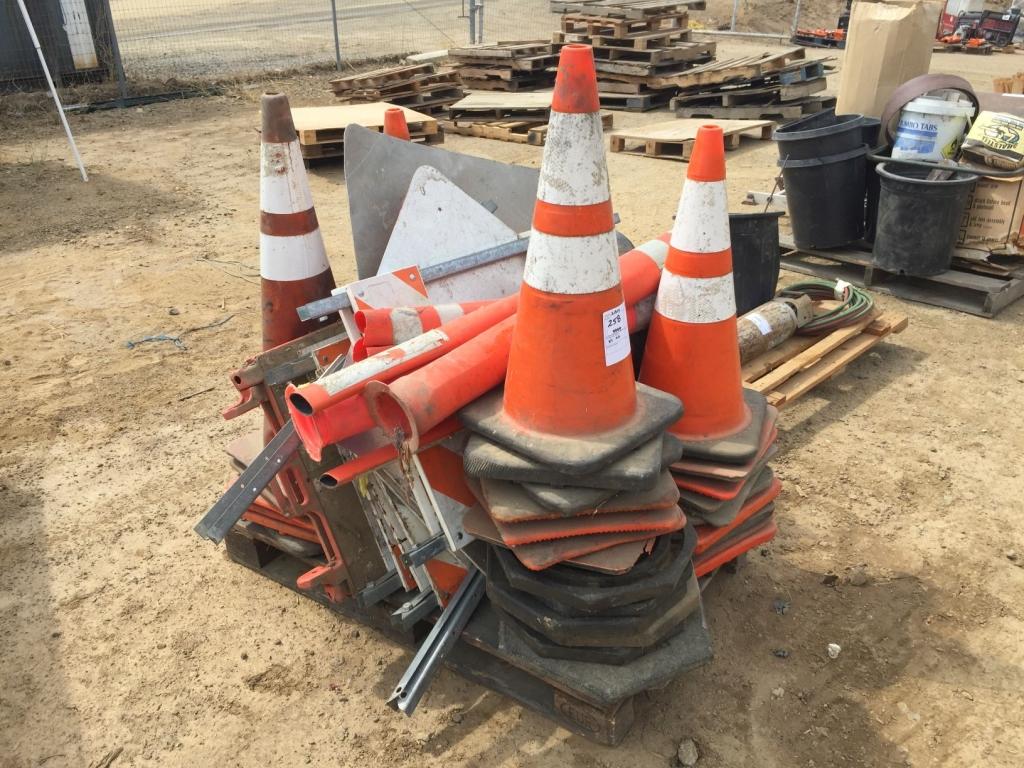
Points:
(856, 303)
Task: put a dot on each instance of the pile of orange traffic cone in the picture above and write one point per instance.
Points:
(728, 432)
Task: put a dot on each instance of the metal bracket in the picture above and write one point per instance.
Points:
(415, 610)
(437, 644)
(419, 555)
(376, 591)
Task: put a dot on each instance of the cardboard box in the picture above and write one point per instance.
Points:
(887, 43)
(994, 216)
(997, 140)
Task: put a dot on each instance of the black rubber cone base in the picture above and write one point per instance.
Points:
(572, 499)
(739, 447)
(686, 649)
(579, 454)
(636, 471)
(718, 513)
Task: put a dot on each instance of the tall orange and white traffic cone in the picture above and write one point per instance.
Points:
(395, 125)
(570, 400)
(293, 262)
(692, 349)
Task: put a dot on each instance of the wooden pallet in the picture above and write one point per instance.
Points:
(380, 77)
(778, 112)
(673, 139)
(676, 61)
(532, 132)
(651, 59)
(642, 40)
(801, 363)
(513, 85)
(727, 70)
(965, 288)
(626, 9)
(489, 107)
(326, 125)
(620, 28)
(634, 102)
(337, 148)
(734, 97)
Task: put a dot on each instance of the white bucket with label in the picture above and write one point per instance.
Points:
(931, 128)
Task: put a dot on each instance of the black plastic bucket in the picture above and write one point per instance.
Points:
(869, 129)
(918, 219)
(825, 197)
(819, 135)
(755, 257)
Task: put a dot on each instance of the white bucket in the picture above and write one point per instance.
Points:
(931, 129)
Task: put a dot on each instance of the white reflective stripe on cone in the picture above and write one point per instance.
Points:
(405, 323)
(283, 184)
(695, 300)
(294, 257)
(572, 265)
(657, 250)
(448, 312)
(379, 363)
(573, 171)
(702, 221)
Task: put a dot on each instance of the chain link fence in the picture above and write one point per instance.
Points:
(216, 39)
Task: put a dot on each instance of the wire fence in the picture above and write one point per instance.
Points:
(213, 39)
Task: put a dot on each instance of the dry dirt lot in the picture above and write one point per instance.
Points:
(124, 634)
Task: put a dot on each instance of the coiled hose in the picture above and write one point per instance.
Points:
(855, 304)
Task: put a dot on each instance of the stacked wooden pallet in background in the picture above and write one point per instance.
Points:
(517, 117)
(523, 66)
(321, 130)
(419, 86)
(779, 86)
(636, 42)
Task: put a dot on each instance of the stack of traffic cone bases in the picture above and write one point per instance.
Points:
(569, 461)
(728, 432)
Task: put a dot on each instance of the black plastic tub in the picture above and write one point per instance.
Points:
(825, 197)
(755, 257)
(918, 219)
(820, 135)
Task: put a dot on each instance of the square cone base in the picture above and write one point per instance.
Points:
(570, 500)
(708, 535)
(585, 551)
(653, 522)
(585, 592)
(635, 471)
(730, 472)
(604, 685)
(739, 447)
(577, 454)
(719, 513)
(758, 530)
(510, 503)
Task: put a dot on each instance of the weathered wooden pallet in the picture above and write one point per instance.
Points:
(634, 89)
(491, 107)
(330, 136)
(337, 148)
(634, 102)
(726, 70)
(777, 112)
(602, 25)
(517, 131)
(801, 363)
(661, 65)
(674, 139)
(963, 288)
(525, 65)
(420, 84)
(635, 40)
(511, 85)
(502, 51)
(734, 97)
(491, 73)
(380, 77)
(626, 9)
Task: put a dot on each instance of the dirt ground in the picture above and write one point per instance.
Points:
(127, 637)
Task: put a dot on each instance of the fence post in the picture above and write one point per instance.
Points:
(735, 8)
(337, 39)
(480, 21)
(796, 19)
(115, 52)
(472, 21)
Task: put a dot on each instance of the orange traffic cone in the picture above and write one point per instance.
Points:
(692, 349)
(293, 262)
(570, 400)
(395, 125)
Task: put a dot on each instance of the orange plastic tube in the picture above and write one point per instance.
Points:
(332, 425)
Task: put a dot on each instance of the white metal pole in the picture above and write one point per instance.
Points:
(53, 89)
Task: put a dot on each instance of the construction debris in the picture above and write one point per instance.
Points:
(418, 86)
